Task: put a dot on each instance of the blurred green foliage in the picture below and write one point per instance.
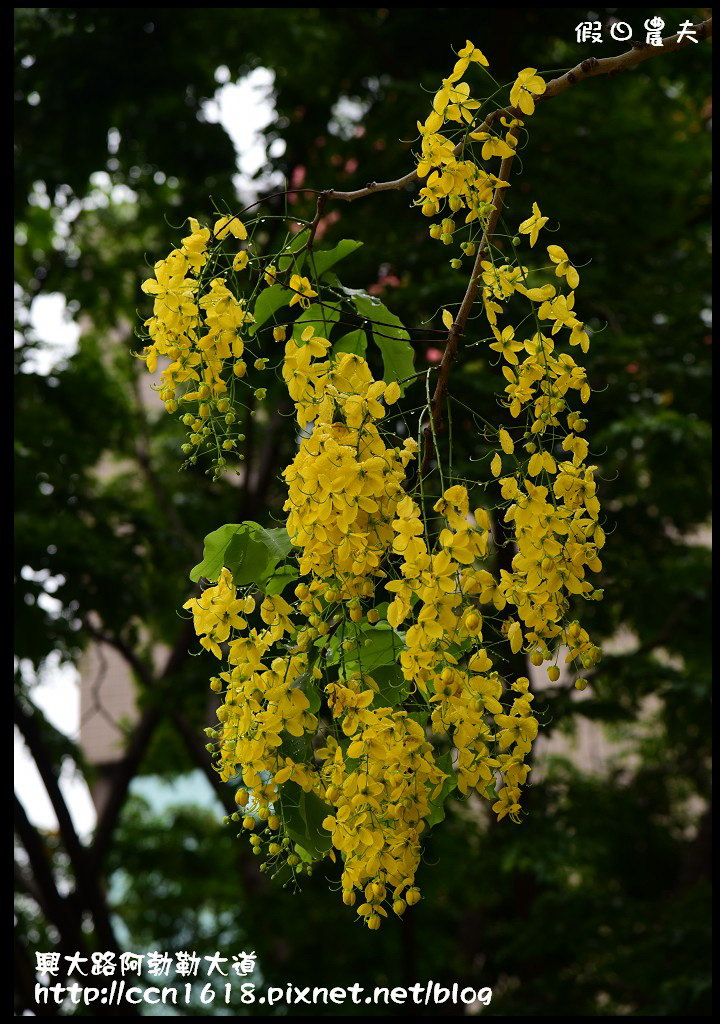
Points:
(597, 904)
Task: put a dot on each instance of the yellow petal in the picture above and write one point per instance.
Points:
(506, 442)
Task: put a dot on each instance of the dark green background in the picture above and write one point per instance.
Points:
(597, 904)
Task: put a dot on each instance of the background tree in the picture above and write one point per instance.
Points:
(597, 905)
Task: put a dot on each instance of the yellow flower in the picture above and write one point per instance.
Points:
(494, 145)
(527, 85)
(195, 245)
(302, 289)
(229, 226)
(533, 224)
(470, 52)
(392, 393)
(564, 267)
(506, 442)
(506, 344)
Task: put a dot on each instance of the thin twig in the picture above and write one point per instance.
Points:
(458, 326)
(591, 67)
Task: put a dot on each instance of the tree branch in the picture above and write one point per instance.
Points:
(255, 883)
(52, 904)
(25, 983)
(86, 882)
(125, 772)
(458, 327)
(591, 67)
(136, 663)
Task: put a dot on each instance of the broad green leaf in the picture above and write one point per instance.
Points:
(437, 806)
(393, 688)
(373, 646)
(306, 683)
(313, 695)
(459, 649)
(322, 261)
(303, 814)
(214, 548)
(389, 335)
(248, 558)
(286, 260)
(275, 539)
(248, 550)
(321, 316)
(379, 646)
(297, 748)
(355, 342)
(280, 577)
(268, 302)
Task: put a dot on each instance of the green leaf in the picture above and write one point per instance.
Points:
(321, 316)
(303, 814)
(268, 302)
(297, 748)
(374, 646)
(214, 548)
(388, 334)
(276, 539)
(313, 695)
(247, 558)
(393, 688)
(306, 683)
(322, 261)
(355, 342)
(437, 806)
(378, 646)
(279, 579)
(297, 242)
(248, 550)
(421, 717)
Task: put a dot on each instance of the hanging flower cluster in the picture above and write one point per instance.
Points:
(553, 508)
(200, 328)
(368, 646)
(344, 483)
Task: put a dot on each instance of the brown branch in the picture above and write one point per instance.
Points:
(86, 882)
(24, 980)
(142, 454)
(319, 211)
(136, 663)
(372, 188)
(53, 905)
(125, 772)
(255, 883)
(458, 327)
(591, 67)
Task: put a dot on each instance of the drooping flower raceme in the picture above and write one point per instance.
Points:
(374, 649)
